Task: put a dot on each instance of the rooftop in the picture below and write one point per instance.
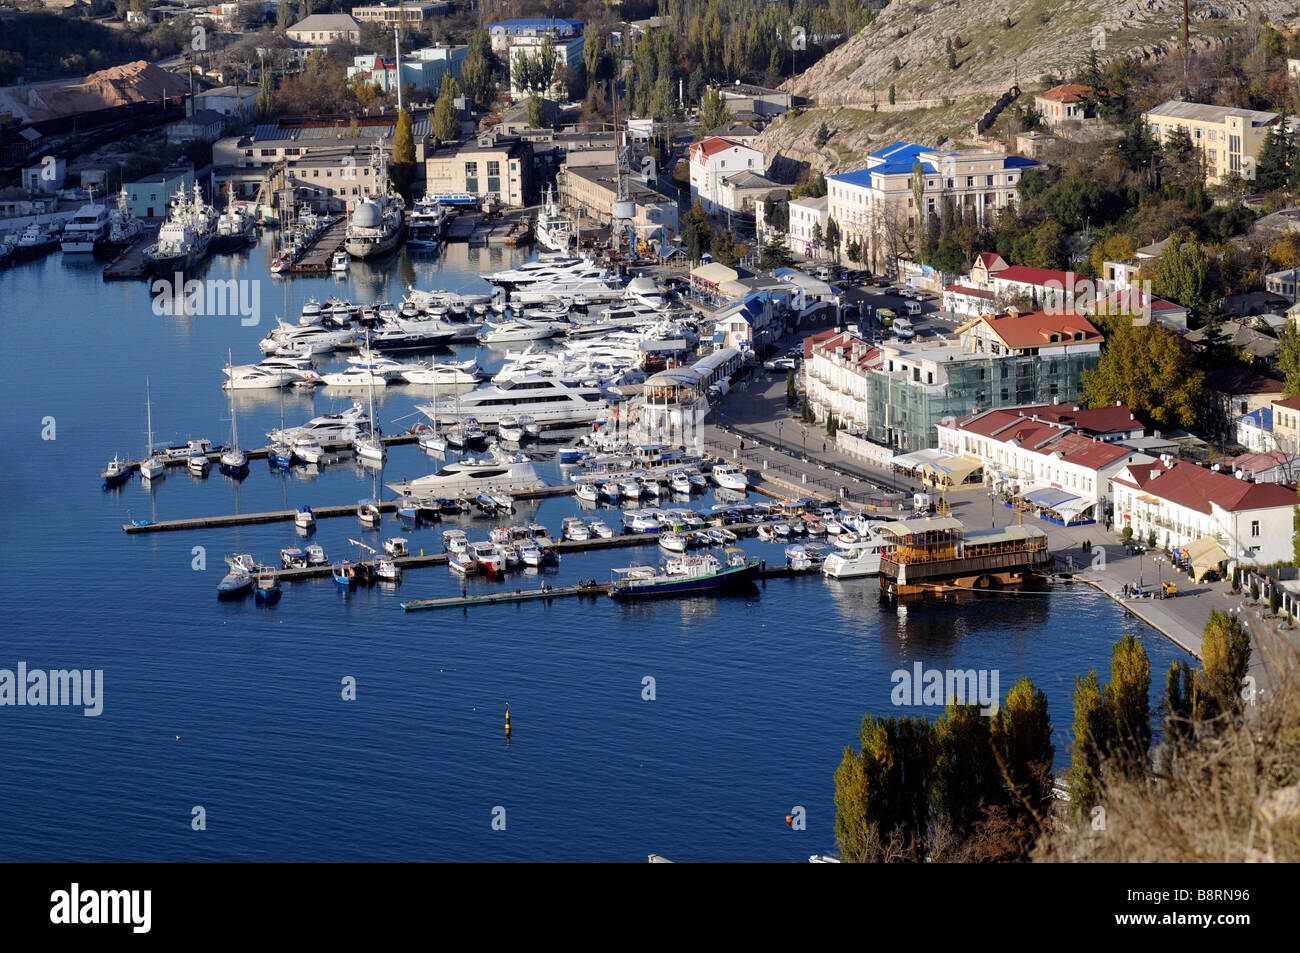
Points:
(1068, 93)
(1197, 488)
(1202, 112)
(325, 22)
(1038, 329)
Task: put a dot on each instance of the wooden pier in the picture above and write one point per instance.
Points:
(316, 259)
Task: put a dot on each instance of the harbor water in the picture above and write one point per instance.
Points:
(688, 728)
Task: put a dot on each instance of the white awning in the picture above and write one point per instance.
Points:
(917, 458)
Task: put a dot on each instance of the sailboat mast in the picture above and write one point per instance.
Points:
(148, 416)
(234, 433)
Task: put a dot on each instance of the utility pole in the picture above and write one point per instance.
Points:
(1186, 51)
(397, 52)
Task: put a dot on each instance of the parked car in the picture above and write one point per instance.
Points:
(781, 364)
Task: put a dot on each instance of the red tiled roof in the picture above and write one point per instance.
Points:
(1290, 403)
(972, 292)
(1124, 300)
(1043, 436)
(1196, 488)
(711, 146)
(1025, 275)
(990, 258)
(1116, 418)
(1068, 93)
(842, 344)
(1037, 328)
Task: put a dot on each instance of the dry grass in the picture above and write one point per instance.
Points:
(1234, 796)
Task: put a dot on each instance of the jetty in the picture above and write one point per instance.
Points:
(130, 264)
(589, 589)
(316, 259)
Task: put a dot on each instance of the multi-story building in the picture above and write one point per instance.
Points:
(149, 197)
(593, 189)
(877, 207)
(714, 159)
(322, 29)
(1229, 138)
(423, 68)
(495, 166)
(1065, 103)
(895, 394)
(807, 225)
(526, 36)
(411, 14)
(1049, 456)
(1182, 503)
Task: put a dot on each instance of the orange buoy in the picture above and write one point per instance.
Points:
(789, 820)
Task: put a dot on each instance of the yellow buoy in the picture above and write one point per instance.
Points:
(507, 719)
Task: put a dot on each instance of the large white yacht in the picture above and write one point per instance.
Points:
(472, 476)
(88, 229)
(327, 427)
(549, 399)
(857, 559)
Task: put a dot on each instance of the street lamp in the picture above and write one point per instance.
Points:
(778, 434)
(992, 509)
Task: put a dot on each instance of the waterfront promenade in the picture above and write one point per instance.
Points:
(755, 412)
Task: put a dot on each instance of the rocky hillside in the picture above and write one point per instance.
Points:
(906, 46)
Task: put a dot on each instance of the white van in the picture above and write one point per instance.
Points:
(913, 307)
(903, 329)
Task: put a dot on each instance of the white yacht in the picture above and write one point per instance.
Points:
(546, 399)
(519, 330)
(857, 559)
(340, 262)
(472, 477)
(463, 372)
(255, 377)
(729, 476)
(327, 427)
(88, 229)
(153, 466)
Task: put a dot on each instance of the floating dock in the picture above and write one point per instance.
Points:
(519, 595)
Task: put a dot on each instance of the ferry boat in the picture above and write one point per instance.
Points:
(686, 575)
(376, 224)
(937, 555)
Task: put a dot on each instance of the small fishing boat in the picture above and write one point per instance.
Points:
(766, 533)
(292, 557)
(116, 473)
(599, 530)
(489, 558)
(588, 492)
(631, 489)
(574, 529)
(454, 541)
(503, 500)
(235, 583)
(462, 563)
(396, 546)
(609, 491)
(304, 518)
(781, 530)
(316, 555)
(198, 464)
(306, 448)
(531, 554)
(387, 570)
(368, 513)
(345, 575)
(267, 588)
(408, 513)
(672, 542)
(279, 456)
(679, 482)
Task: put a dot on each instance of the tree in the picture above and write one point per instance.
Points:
(284, 17)
(817, 237)
(833, 238)
(478, 72)
(263, 105)
(446, 118)
(713, 109)
(402, 168)
(892, 94)
(535, 73)
(1127, 700)
(1091, 740)
(1150, 369)
(822, 136)
(536, 111)
(882, 794)
(1184, 276)
(1273, 166)
(1225, 658)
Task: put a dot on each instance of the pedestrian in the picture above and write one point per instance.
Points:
(742, 445)
(464, 591)
(823, 446)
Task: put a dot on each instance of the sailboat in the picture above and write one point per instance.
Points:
(234, 462)
(434, 441)
(152, 466)
(280, 454)
(370, 446)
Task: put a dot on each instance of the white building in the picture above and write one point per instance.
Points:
(322, 29)
(527, 35)
(1044, 455)
(876, 207)
(712, 160)
(227, 100)
(1182, 503)
(806, 216)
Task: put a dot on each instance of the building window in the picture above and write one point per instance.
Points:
(494, 185)
(494, 167)
(471, 169)
(471, 186)
(970, 181)
(1254, 527)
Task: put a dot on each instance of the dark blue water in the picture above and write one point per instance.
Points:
(237, 707)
